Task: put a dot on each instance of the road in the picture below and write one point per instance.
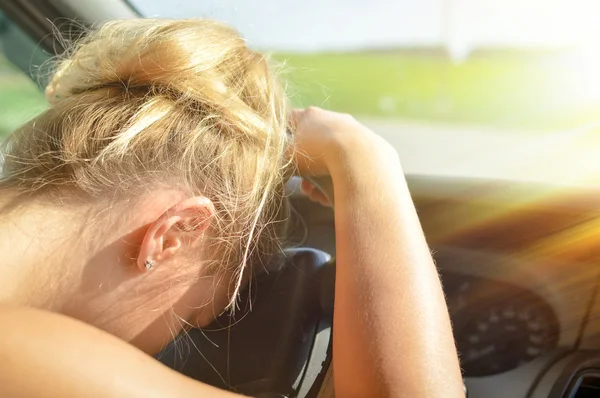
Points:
(569, 158)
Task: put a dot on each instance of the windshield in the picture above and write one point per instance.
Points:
(503, 63)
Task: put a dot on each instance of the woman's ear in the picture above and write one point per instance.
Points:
(181, 224)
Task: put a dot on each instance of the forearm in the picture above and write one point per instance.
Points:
(392, 330)
(44, 354)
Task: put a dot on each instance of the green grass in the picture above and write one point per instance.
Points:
(508, 89)
(526, 90)
(20, 98)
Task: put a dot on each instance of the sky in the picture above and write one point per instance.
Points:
(460, 25)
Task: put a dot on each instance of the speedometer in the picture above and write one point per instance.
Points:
(499, 326)
(502, 338)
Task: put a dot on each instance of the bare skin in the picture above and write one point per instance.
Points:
(392, 335)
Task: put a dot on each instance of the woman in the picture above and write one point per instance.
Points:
(144, 198)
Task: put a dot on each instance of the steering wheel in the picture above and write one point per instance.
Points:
(278, 344)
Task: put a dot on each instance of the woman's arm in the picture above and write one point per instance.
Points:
(392, 333)
(49, 355)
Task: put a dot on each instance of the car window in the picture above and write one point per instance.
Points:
(20, 96)
(503, 63)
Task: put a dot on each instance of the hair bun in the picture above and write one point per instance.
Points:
(178, 56)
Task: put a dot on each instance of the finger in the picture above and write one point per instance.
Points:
(319, 197)
(295, 119)
(325, 203)
(296, 116)
(304, 163)
(307, 187)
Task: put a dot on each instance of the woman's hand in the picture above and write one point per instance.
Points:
(330, 144)
(324, 139)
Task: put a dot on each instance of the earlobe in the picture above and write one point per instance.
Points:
(149, 264)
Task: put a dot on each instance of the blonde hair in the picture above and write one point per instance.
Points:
(182, 103)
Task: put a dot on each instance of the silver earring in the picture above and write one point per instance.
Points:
(149, 264)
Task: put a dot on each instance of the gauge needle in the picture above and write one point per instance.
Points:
(474, 355)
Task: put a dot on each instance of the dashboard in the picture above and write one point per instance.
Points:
(519, 267)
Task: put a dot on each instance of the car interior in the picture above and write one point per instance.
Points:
(512, 221)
